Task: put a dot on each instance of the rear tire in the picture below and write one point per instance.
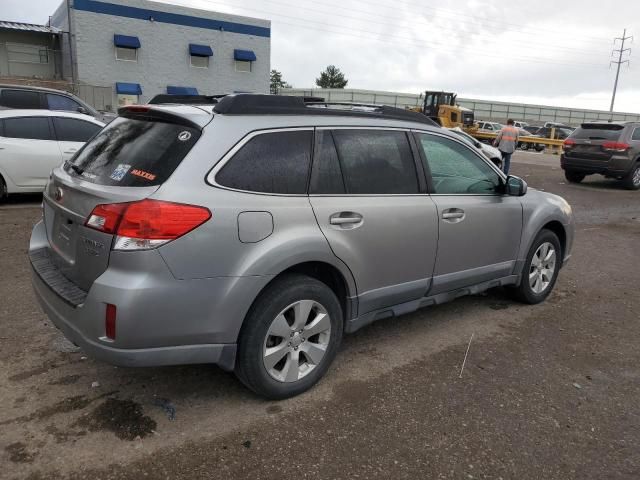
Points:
(632, 180)
(573, 177)
(539, 148)
(3, 190)
(540, 270)
(290, 337)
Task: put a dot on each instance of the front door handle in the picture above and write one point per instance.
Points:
(453, 215)
(71, 151)
(345, 219)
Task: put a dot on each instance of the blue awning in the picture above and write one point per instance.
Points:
(244, 55)
(171, 90)
(126, 41)
(200, 50)
(128, 88)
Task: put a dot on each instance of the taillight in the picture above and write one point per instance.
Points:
(106, 218)
(146, 224)
(110, 321)
(615, 146)
(568, 144)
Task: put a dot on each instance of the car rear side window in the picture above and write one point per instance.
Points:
(33, 128)
(134, 153)
(376, 162)
(60, 102)
(275, 162)
(73, 130)
(19, 99)
(636, 134)
(598, 132)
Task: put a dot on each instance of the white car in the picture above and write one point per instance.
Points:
(34, 142)
(489, 151)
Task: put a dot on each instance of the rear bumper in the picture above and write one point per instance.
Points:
(160, 320)
(61, 316)
(616, 166)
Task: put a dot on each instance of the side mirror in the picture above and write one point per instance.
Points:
(82, 110)
(515, 186)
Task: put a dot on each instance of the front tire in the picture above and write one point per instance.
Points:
(573, 177)
(290, 337)
(632, 180)
(541, 269)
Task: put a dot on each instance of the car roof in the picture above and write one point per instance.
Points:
(32, 87)
(12, 113)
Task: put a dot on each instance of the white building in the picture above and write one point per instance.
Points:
(139, 48)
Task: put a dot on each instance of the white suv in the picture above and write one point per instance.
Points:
(34, 142)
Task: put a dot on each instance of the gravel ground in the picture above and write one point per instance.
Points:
(548, 391)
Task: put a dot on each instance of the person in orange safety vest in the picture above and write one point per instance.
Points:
(507, 141)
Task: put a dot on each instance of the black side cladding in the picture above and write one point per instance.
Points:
(257, 104)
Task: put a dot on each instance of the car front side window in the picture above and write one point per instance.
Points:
(455, 169)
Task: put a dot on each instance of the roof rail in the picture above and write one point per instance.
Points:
(258, 104)
(167, 98)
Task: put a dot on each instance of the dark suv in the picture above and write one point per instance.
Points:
(610, 149)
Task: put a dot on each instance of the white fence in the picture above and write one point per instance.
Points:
(484, 109)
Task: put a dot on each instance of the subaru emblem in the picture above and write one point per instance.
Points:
(184, 136)
(58, 194)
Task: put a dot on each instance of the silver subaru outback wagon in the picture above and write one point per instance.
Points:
(255, 232)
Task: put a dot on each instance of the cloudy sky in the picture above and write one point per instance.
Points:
(543, 51)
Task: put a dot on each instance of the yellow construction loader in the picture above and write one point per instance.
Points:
(441, 107)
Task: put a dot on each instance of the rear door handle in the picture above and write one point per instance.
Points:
(71, 151)
(453, 215)
(345, 218)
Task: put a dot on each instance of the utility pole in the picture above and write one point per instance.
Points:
(619, 62)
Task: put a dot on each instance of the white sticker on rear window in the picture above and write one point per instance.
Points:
(120, 171)
(184, 136)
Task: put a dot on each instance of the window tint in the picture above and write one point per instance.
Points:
(275, 162)
(636, 134)
(597, 132)
(60, 102)
(376, 162)
(455, 169)
(34, 128)
(134, 153)
(19, 99)
(326, 175)
(72, 130)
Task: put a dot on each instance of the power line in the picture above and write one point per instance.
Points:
(406, 40)
(621, 51)
(386, 22)
(458, 13)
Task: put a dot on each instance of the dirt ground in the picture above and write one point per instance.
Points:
(547, 392)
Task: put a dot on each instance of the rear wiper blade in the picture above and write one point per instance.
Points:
(75, 168)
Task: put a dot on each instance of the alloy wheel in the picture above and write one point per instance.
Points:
(636, 177)
(542, 268)
(297, 341)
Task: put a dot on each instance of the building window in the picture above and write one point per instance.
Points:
(127, 54)
(125, 99)
(199, 62)
(24, 53)
(243, 66)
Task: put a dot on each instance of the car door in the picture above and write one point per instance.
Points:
(29, 150)
(72, 134)
(479, 228)
(374, 211)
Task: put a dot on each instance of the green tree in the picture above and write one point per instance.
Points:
(332, 77)
(276, 82)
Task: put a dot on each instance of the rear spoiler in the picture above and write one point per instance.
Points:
(148, 113)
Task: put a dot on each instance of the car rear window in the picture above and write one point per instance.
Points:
(597, 132)
(134, 153)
